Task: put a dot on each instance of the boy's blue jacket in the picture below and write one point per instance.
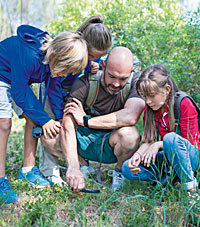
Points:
(21, 65)
(70, 78)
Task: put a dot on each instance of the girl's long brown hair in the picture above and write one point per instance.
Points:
(96, 34)
(151, 81)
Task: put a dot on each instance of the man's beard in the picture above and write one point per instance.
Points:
(108, 85)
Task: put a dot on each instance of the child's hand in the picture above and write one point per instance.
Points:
(134, 162)
(51, 128)
(150, 154)
(94, 67)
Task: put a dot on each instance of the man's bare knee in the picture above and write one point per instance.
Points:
(127, 136)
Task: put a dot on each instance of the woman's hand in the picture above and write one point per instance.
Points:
(150, 155)
(94, 67)
(134, 162)
(51, 128)
(76, 109)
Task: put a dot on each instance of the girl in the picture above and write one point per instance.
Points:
(99, 40)
(182, 151)
(32, 57)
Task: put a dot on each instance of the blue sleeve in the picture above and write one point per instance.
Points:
(70, 78)
(23, 63)
(97, 59)
(55, 97)
(87, 68)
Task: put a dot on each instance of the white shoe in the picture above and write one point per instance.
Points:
(56, 180)
(117, 181)
(86, 170)
(194, 196)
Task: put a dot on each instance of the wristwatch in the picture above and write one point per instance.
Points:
(85, 120)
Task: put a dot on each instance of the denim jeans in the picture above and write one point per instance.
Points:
(182, 156)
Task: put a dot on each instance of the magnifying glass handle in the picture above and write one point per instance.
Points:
(86, 190)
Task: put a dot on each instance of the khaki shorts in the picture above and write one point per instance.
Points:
(6, 109)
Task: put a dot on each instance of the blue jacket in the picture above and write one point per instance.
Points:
(70, 78)
(21, 65)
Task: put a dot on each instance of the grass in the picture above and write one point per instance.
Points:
(138, 204)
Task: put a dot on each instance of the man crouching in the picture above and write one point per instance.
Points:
(102, 130)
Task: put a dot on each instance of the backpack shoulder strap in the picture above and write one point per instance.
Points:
(94, 81)
(178, 97)
(126, 90)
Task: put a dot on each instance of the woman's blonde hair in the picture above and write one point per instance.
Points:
(96, 34)
(67, 52)
(151, 82)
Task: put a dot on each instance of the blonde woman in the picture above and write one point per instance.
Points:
(33, 57)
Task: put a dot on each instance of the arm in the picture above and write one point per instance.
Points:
(21, 71)
(68, 141)
(55, 97)
(128, 116)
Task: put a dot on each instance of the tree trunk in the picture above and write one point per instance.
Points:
(24, 11)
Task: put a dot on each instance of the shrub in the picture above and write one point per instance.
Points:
(153, 29)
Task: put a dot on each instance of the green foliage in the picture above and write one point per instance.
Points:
(152, 29)
(155, 32)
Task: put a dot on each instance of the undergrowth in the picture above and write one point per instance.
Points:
(138, 204)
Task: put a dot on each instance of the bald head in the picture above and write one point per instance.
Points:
(117, 69)
(120, 57)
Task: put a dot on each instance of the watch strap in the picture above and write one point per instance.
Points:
(85, 120)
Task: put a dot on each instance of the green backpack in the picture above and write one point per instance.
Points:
(95, 80)
(177, 112)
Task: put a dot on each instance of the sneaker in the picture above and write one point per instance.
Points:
(194, 196)
(6, 193)
(34, 177)
(56, 180)
(86, 170)
(118, 179)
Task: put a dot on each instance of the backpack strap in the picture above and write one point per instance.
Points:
(126, 90)
(94, 81)
(178, 97)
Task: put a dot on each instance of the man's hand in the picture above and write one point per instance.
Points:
(51, 128)
(94, 67)
(134, 162)
(75, 179)
(76, 109)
